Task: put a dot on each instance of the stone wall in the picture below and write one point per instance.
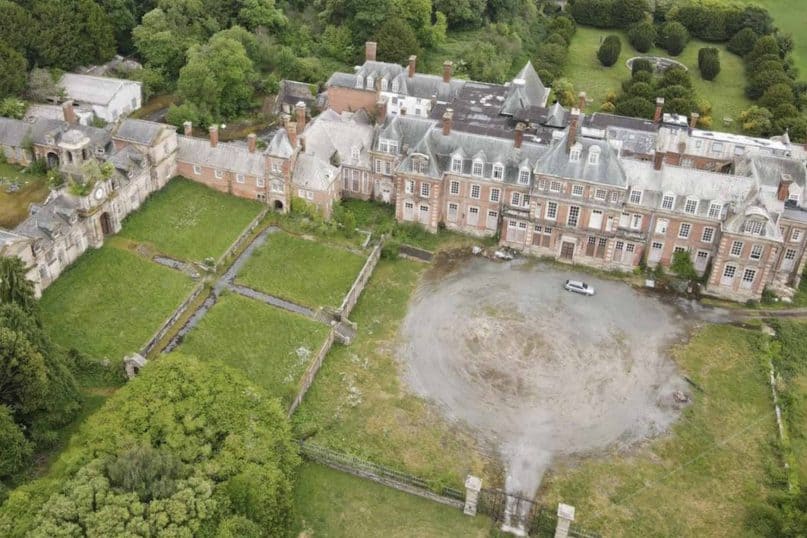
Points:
(311, 372)
(239, 242)
(361, 281)
(171, 321)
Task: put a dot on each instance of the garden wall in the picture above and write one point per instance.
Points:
(311, 372)
(361, 281)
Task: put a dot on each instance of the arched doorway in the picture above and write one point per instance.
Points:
(278, 205)
(53, 160)
(106, 224)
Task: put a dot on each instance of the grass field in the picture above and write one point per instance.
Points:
(305, 272)
(698, 480)
(14, 206)
(791, 18)
(358, 405)
(110, 302)
(725, 93)
(258, 339)
(189, 221)
(338, 505)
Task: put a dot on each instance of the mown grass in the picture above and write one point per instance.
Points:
(110, 302)
(791, 18)
(699, 479)
(305, 272)
(14, 206)
(258, 339)
(358, 405)
(338, 505)
(189, 221)
(726, 92)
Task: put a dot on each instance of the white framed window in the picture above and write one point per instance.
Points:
(219, 174)
(525, 200)
(524, 176)
(678, 248)
(790, 254)
(635, 196)
(454, 188)
(515, 199)
(555, 186)
(239, 178)
(409, 186)
(630, 247)
(498, 171)
(551, 210)
(456, 165)
(736, 248)
(754, 227)
(636, 221)
(476, 192)
(495, 194)
(715, 210)
(667, 202)
(409, 210)
(197, 169)
(684, 229)
(542, 184)
(729, 271)
(574, 216)
(493, 220)
(425, 189)
(614, 197)
(354, 153)
(708, 234)
(594, 155)
(478, 168)
(691, 206)
(387, 167)
(600, 194)
(577, 190)
(574, 154)
(277, 186)
(473, 216)
(395, 85)
(275, 166)
(424, 214)
(383, 84)
(795, 235)
(756, 252)
(260, 182)
(748, 278)
(595, 219)
(453, 210)
(378, 166)
(661, 226)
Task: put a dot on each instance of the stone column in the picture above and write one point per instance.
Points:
(473, 485)
(565, 518)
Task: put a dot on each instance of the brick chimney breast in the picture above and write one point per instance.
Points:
(783, 192)
(519, 135)
(659, 107)
(448, 65)
(252, 142)
(381, 110)
(214, 135)
(299, 110)
(571, 138)
(187, 128)
(693, 120)
(581, 100)
(412, 65)
(370, 48)
(69, 112)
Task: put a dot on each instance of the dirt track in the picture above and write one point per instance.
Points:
(539, 371)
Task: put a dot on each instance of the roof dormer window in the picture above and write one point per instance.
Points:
(354, 153)
(359, 81)
(384, 84)
(715, 210)
(754, 227)
(691, 206)
(667, 202)
(370, 82)
(456, 164)
(524, 176)
(574, 153)
(395, 85)
(594, 155)
(478, 168)
(498, 171)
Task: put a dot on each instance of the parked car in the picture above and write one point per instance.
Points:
(578, 287)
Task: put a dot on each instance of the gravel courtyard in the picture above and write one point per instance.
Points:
(536, 370)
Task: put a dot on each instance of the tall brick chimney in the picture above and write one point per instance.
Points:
(299, 109)
(519, 135)
(659, 106)
(69, 112)
(448, 119)
(693, 120)
(658, 159)
(187, 128)
(571, 137)
(370, 48)
(448, 65)
(412, 64)
(214, 136)
(381, 110)
(291, 130)
(252, 142)
(783, 192)
(581, 100)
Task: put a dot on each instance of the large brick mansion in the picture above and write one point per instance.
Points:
(484, 159)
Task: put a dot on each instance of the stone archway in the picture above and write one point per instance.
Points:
(106, 223)
(52, 159)
(278, 205)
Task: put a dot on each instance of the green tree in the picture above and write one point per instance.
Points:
(742, 42)
(598, 13)
(337, 42)
(762, 79)
(239, 527)
(642, 36)
(794, 124)
(462, 13)
(640, 65)
(609, 51)
(23, 378)
(628, 12)
(17, 28)
(756, 121)
(41, 85)
(675, 76)
(72, 33)
(218, 78)
(11, 107)
(483, 61)
(260, 14)
(637, 107)
(15, 288)
(13, 68)
(16, 450)
(563, 91)
(123, 16)
(398, 41)
(777, 95)
(708, 62)
(674, 37)
(682, 265)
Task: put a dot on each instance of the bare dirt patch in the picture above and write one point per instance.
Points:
(540, 372)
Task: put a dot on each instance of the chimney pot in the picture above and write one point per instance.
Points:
(448, 118)
(581, 100)
(693, 120)
(412, 64)
(188, 128)
(252, 142)
(214, 136)
(519, 135)
(370, 48)
(447, 67)
(659, 107)
(69, 112)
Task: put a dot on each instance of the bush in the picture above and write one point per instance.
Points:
(674, 37)
(642, 36)
(391, 249)
(641, 65)
(609, 50)
(682, 266)
(708, 62)
(742, 42)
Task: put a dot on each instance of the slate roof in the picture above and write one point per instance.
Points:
(333, 133)
(311, 172)
(227, 156)
(90, 89)
(753, 208)
(406, 130)
(556, 162)
(770, 170)
(12, 132)
(280, 145)
(140, 131)
(128, 159)
(291, 92)
(50, 220)
(526, 90)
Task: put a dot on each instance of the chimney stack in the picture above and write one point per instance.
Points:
(412, 63)
(370, 48)
(381, 110)
(571, 138)
(403, 111)
(291, 131)
(783, 192)
(658, 159)
(299, 108)
(448, 118)
(188, 128)
(693, 120)
(659, 106)
(252, 142)
(519, 137)
(447, 67)
(581, 100)
(214, 136)
(69, 113)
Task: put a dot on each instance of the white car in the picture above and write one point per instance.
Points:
(578, 287)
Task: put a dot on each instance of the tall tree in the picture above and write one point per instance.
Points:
(17, 28)
(398, 41)
(14, 285)
(12, 71)
(72, 33)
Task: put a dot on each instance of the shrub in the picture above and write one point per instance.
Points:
(756, 121)
(708, 62)
(641, 65)
(682, 266)
(609, 50)
(777, 95)
(674, 37)
(642, 36)
(742, 42)
(636, 107)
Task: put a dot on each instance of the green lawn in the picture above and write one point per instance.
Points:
(791, 18)
(698, 480)
(334, 504)
(358, 404)
(272, 346)
(725, 93)
(187, 220)
(14, 206)
(302, 271)
(110, 302)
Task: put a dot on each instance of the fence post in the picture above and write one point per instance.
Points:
(565, 518)
(473, 485)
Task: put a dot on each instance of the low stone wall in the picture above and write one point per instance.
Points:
(311, 372)
(243, 237)
(361, 281)
(416, 253)
(171, 321)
